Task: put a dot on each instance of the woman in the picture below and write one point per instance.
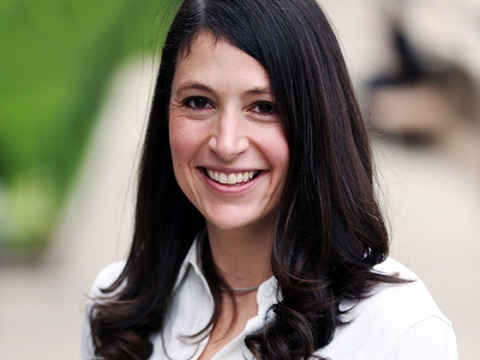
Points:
(257, 233)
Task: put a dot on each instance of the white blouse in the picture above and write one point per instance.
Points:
(398, 322)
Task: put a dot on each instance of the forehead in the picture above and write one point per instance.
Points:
(204, 37)
(215, 61)
(206, 45)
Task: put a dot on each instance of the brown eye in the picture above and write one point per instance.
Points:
(264, 108)
(198, 103)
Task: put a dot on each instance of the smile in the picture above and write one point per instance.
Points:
(231, 179)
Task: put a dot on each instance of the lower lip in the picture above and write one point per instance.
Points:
(237, 189)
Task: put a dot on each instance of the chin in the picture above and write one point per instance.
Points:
(232, 222)
(228, 224)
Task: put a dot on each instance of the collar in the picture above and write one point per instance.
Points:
(267, 293)
(191, 260)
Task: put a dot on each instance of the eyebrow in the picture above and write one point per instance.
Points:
(199, 86)
(262, 91)
(196, 86)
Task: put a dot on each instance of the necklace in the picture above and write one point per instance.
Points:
(242, 290)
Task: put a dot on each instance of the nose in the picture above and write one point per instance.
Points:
(228, 138)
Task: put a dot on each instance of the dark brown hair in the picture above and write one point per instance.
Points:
(329, 232)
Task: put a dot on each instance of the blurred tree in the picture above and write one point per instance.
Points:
(57, 56)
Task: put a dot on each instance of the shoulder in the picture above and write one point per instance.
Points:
(401, 303)
(106, 277)
(391, 319)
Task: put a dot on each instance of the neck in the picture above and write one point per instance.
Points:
(242, 255)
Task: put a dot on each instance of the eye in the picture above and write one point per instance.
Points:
(264, 108)
(197, 103)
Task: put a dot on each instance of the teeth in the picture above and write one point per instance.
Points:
(223, 178)
(231, 179)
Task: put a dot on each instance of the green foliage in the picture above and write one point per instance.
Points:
(57, 56)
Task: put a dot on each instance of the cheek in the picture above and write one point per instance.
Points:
(179, 147)
(185, 146)
(180, 142)
(279, 152)
(281, 159)
(181, 153)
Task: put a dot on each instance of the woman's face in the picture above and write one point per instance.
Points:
(229, 151)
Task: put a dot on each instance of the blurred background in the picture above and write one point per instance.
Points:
(76, 81)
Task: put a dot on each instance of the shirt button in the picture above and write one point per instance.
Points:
(268, 290)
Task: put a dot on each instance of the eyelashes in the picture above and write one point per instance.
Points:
(264, 108)
(198, 103)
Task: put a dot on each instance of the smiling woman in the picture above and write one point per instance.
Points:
(257, 233)
(229, 150)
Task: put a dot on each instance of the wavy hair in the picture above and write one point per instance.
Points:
(329, 231)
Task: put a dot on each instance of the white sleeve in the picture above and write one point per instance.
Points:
(429, 339)
(104, 279)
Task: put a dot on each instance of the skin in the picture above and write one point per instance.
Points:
(222, 119)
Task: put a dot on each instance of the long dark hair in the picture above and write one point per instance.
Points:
(329, 232)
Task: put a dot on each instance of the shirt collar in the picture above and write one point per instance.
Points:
(191, 259)
(267, 294)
